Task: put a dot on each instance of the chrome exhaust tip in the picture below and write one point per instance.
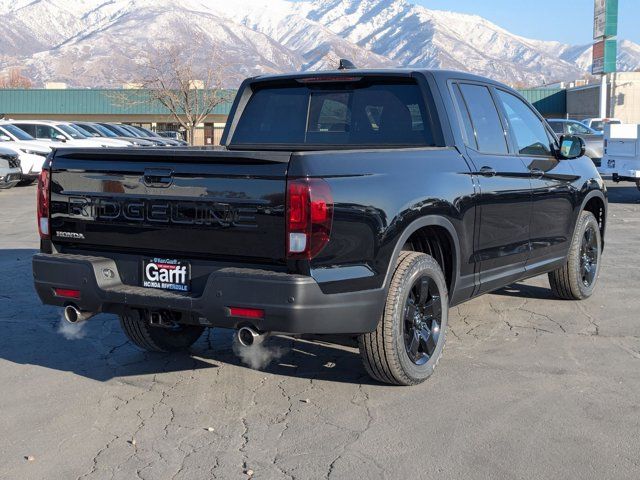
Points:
(73, 314)
(247, 336)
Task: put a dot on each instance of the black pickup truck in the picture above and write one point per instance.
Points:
(355, 202)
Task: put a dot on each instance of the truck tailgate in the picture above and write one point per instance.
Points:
(182, 202)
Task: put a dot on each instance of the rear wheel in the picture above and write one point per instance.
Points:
(577, 278)
(149, 337)
(407, 344)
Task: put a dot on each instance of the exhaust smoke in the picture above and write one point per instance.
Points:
(259, 353)
(71, 331)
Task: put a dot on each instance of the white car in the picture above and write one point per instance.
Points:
(31, 153)
(63, 134)
(10, 173)
(16, 134)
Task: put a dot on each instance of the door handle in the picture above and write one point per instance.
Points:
(487, 172)
(537, 173)
(158, 177)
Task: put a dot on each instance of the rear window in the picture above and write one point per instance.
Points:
(377, 114)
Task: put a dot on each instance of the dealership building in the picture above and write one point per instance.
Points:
(130, 106)
(117, 105)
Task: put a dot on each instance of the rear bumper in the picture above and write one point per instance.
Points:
(291, 303)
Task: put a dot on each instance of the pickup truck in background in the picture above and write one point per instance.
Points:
(622, 153)
(355, 202)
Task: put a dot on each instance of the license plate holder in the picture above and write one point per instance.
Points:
(166, 274)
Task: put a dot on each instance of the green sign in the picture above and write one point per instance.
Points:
(604, 56)
(605, 19)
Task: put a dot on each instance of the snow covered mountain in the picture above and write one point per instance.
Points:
(100, 42)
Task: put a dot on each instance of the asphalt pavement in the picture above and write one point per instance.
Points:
(529, 387)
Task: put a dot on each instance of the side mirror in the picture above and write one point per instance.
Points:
(571, 147)
(60, 138)
(5, 138)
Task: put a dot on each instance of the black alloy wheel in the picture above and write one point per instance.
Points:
(589, 253)
(422, 320)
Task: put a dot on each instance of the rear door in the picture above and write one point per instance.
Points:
(502, 245)
(554, 194)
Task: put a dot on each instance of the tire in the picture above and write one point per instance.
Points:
(158, 339)
(577, 278)
(638, 184)
(386, 352)
(27, 182)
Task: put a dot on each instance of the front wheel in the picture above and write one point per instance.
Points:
(407, 344)
(577, 278)
(153, 338)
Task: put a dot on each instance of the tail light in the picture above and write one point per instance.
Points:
(43, 204)
(309, 217)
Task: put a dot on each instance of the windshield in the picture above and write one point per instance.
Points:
(363, 113)
(69, 130)
(132, 131)
(578, 128)
(104, 131)
(12, 130)
(147, 132)
(121, 132)
(84, 131)
(556, 127)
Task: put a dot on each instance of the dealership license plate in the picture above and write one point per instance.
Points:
(166, 274)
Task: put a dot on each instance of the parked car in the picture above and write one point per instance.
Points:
(120, 130)
(598, 124)
(172, 134)
(16, 134)
(594, 140)
(360, 202)
(97, 130)
(31, 153)
(139, 132)
(62, 133)
(146, 131)
(10, 171)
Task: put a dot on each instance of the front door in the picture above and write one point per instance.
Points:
(552, 182)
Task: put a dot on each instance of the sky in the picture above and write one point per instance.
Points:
(568, 21)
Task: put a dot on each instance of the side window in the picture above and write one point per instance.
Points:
(27, 127)
(529, 132)
(487, 127)
(470, 138)
(45, 131)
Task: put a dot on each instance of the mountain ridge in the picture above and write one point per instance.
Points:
(98, 43)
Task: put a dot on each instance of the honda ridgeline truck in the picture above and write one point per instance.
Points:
(356, 202)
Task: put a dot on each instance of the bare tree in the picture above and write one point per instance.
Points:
(14, 78)
(189, 84)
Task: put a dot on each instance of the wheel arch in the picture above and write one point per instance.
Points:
(421, 223)
(596, 203)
